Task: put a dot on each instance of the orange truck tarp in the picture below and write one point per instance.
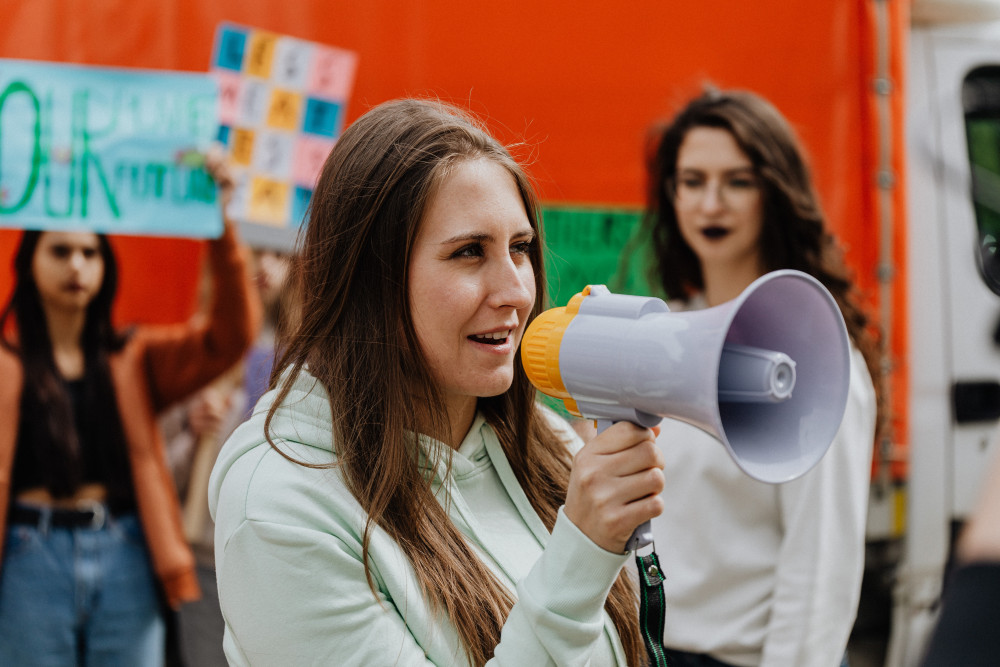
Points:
(579, 82)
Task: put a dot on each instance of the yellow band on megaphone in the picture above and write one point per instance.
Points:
(540, 350)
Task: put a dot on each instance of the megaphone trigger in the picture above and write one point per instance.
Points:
(766, 374)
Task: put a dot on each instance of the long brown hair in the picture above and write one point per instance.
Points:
(794, 233)
(356, 334)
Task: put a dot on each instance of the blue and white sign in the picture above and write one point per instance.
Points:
(106, 149)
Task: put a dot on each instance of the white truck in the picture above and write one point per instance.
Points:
(953, 221)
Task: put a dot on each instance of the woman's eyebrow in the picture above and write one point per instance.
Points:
(698, 170)
(486, 238)
(471, 236)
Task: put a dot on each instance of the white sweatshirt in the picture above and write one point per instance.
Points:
(761, 574)
(291, 579)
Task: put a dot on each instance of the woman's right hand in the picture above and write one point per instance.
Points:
(615, 485)
(207, 412)
(218, 168)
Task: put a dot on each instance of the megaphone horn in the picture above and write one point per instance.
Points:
(766, 374)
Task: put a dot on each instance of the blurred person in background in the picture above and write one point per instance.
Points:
(278, 296)
(92, 545)
(756, 574)
(194, 432)
(968, 630)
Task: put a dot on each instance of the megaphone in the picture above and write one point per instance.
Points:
(766, 374)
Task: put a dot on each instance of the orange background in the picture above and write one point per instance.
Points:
(578, 82)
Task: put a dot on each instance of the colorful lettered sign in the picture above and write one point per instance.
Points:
(281, 110)
(110, 150)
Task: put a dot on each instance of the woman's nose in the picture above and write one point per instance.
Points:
(712, 200)
(513, 285)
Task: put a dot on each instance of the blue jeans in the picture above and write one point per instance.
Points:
(79, 596)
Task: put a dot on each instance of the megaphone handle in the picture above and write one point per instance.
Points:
(643, 535)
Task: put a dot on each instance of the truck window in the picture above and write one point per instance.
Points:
(981, 103)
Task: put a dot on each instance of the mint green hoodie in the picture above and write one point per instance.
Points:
(291, 580)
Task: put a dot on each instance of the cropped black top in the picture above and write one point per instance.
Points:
(102, 457)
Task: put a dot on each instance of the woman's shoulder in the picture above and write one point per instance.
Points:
(300, 421)
(277, 474)
(862, 402)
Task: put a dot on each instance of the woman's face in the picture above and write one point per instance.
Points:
(68, 269)
(472, 283)
(718, 199)
(272, 271)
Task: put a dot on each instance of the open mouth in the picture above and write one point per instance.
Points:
(496, 338)
(715, 232)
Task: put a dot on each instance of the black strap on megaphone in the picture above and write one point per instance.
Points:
(652, 606)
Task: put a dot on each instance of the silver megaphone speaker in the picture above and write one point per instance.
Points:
(766, 374)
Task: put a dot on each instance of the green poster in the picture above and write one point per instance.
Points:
(592, 246)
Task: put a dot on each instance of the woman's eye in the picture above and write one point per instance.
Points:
(89, 253)
(690, 183)
(60, 251)
(742, 183)
(471, 250)
(522, 247)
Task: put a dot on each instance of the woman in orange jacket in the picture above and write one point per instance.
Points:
(92, 539)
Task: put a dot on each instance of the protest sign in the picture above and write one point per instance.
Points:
(109, 150)
(281, 108)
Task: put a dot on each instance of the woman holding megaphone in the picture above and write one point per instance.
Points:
(755, 574)
(398, 497)
(92, 546)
